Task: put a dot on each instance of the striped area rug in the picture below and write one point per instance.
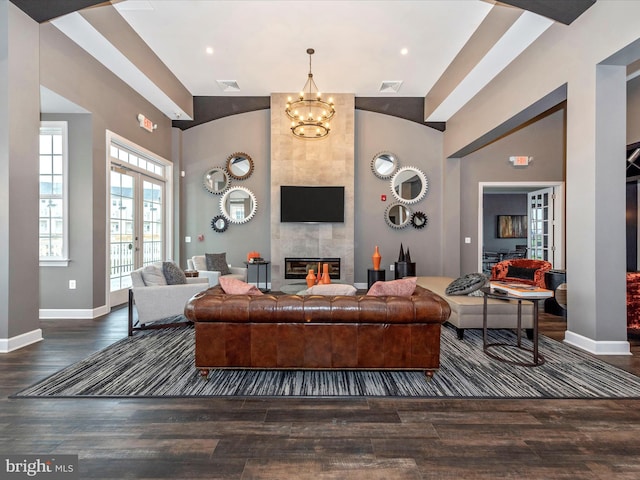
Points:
(160, 363)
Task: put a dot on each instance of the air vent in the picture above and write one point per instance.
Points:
(228, 85)
(390, 86)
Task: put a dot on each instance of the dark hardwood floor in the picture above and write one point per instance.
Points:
(311, 438)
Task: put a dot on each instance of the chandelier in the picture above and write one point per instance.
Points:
(310, 114)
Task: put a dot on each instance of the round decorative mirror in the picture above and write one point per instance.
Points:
(216, 180)
(238, 205)
(219, 223)
(419, 220)
(409, 185)
(239, 166)
(397, 215)
(384, 164)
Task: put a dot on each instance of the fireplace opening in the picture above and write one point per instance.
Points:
(297, 268)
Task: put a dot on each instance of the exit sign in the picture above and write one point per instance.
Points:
(520, 161)
(145, 123)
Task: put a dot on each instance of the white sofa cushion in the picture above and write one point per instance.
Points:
(152, 275)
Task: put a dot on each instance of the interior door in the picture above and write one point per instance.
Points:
(541, 237)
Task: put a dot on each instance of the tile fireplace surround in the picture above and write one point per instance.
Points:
(329, 161)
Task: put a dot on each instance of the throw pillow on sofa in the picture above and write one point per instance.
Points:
(217, 262)
(173, 274)
(399, 288)
(152, 275)
(234, 286)
(466, 284)
(521, 272)
(330, 289)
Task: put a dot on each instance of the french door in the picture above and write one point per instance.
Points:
(136, 227)
(541, 238)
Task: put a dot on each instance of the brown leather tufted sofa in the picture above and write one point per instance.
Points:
(317, 332)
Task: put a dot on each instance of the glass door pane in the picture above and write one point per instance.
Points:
(153, 227)
(122, 229)
(540, 241)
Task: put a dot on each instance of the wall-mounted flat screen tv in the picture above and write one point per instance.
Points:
(311, 204)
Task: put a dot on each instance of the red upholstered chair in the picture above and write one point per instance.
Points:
(521, 270)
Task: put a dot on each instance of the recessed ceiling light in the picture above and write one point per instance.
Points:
(404, 51)
(209, 50)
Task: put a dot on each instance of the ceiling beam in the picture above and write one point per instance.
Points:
(45, 10)
(563, 11)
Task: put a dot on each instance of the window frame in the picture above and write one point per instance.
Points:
(63, 260)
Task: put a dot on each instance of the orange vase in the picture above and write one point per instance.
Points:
(326, 278)
(376, 257)
(311, 278)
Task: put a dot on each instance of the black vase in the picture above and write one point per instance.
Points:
(401, 255)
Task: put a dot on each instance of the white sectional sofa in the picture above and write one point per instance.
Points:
(466, 311)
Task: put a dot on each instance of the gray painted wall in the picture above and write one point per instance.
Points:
(543, 140)
(54, 281)
(494, 204)
(633, 111)
(72, 73)
(209, 145)
(19, 127)
(415, 145)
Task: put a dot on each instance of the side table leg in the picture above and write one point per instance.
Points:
(520, 323)
(535, 332)
(484, 323)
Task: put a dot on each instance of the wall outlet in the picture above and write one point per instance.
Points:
(392, 267)
(72, 284)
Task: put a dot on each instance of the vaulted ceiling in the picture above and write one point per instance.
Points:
(439, 50)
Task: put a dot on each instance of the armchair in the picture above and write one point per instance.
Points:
(200, 264)
(159, 301)
(521, 270)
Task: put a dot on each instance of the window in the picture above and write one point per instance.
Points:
(53, 194)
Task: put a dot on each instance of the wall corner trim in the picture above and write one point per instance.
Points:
(597, 347)
(14, 343)
(77, 313)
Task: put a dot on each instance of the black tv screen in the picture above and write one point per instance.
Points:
(311, 204)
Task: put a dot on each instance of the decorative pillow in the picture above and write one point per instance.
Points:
(467, 284)
(173, 274)
(330, 289)
(399, 288)
(234, 286)
(199, 262)
(217, 262)
(152, 275)
(521, 272)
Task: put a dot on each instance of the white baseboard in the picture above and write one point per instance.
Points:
(14, 343)
(597, 347)
(78, 313)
